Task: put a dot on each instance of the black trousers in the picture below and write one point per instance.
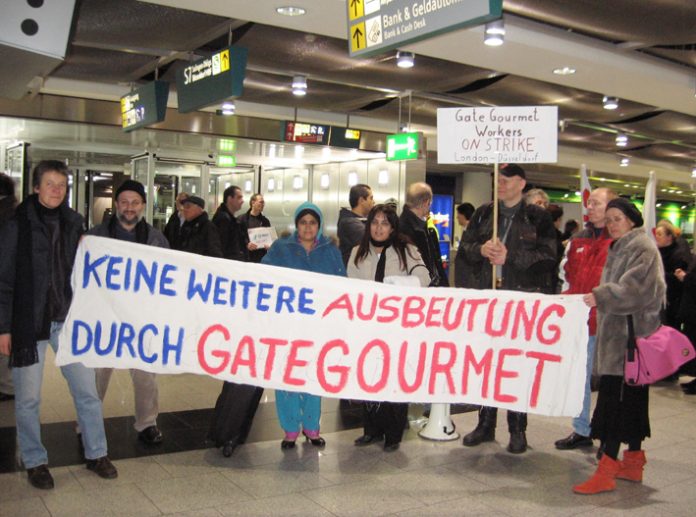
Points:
(234, 413)
(388, 418)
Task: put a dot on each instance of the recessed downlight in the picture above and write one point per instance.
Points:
(565, 70)
(291, 10)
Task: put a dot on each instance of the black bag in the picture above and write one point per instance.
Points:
(234, 413)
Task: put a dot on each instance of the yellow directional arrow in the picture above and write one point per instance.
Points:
(356, 9)
(357, 37)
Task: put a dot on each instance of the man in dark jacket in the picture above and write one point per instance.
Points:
(176, 221)
(413, 225)
(198, 235)
(234, 242)
(36, 258)
(524, 256)
(128, 225)
(7, 207)
(351, 223)
(254, 218)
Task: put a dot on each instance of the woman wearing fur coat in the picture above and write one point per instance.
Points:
(632, 284)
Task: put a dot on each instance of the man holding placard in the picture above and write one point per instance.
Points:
(524, 255)
(252, 220)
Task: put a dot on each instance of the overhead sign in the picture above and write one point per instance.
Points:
(306, 133)
(342, 137)
(226, 160)
(337, 337)
(526, 134)
(375, 26)
(405, 146)
(212, 79)
(144, 106)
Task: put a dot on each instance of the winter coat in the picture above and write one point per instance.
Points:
(675, 256)
(425, 239)
(366, 269)
(323, 258)
(586, 256)
(172, 230)
(154, 236)
(531, 251)
(232, 238)
(7, 207)
(350, 231)
(200, 236)
(632, 283)
(41, 264)
(247, 221)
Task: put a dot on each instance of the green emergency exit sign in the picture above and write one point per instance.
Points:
(226, 160)
(405, 146)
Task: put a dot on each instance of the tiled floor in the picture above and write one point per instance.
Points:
(422, 478)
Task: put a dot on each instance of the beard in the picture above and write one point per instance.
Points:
(124, 219)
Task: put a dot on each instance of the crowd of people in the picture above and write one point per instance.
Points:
(612, 262)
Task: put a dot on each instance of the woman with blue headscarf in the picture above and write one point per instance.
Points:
(307, 249)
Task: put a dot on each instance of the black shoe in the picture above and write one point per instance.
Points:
(479, 435)
(317, 442)
(573, 441)
(8, 396)
(391, 447)
(287, 444)
(40, 477)
(229, 448)
(367, 439)
(150, 435)
(103, 468)
(518, 442)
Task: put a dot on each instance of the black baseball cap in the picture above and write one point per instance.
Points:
(512, 169)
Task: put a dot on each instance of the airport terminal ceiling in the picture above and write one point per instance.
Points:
(108, 52)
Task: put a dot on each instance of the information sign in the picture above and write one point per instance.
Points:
(306, 133)
(405, 146)
(212, 79)
(375, 26)
(144, 106)
(342, 137)
(521, 134)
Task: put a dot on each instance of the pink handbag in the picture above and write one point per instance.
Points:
(652, 358)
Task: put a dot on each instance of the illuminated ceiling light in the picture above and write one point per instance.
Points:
(247, 186)
(290, 10)
(683, 207)
(299, 85)
(352, 178)
(228, 108)
(494, 33)
(565, 70)
(577, 192)
(693, 172)
(270, 186)
(621, 140)
(297, 182)
(626, 185)
(680, 192)
(692, 175)
(624, 162)
(658, 205)
(324, 181)
(404, 59)
(610, 103)
(383, 177)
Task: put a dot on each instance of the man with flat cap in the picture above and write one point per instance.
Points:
(524, 256)
(198, 234)
(129, 225)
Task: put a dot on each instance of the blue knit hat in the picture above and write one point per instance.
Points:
(310, 208)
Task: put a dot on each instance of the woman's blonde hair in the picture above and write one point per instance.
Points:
(669, 228)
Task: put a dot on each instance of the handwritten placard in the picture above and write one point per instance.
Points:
(527, 134)
(165, 311)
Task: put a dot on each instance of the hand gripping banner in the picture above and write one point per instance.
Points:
(170, 312)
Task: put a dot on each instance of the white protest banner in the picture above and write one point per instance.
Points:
(527, 134)
(164, 311)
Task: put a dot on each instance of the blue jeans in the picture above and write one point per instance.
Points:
(581, 423)
(28, 380)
